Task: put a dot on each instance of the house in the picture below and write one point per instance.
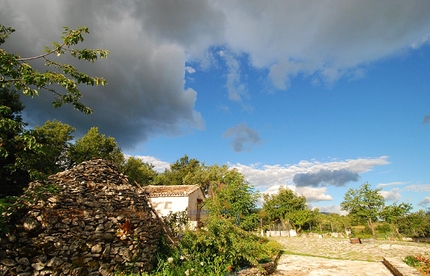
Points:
(177, 198)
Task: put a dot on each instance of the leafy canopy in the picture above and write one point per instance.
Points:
(139, 171)
(234, 199)
(54, 138)
(281, 205)
(95, 145)
(364, 203)
(17, 145)
(17, 73)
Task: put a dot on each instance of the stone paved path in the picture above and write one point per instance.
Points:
(337, 256)
(290, 265)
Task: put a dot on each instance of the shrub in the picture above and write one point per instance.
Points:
(420, 262)
(220, 248)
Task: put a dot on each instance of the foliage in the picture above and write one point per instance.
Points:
(22, 157)
(179, 171)
(5, 204)
(331, 222)
(18, 74)
(95, 145)
(286, 206)
(364, 203)
(394, 213)
(186, 171)
(54, 138)
(206, 176)
(235, 200)
(218, 249)
(17, 145)
(384, 228)
(416, 224)
(420, 262)
(299, 218)
(139, 171)
(176, 222)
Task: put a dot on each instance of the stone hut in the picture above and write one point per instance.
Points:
(85, 221)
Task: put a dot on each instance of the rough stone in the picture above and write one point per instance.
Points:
(75, 227)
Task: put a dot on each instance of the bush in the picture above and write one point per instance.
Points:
(220, 248)
(420, 262)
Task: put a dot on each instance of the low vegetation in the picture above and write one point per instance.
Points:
(420, 262)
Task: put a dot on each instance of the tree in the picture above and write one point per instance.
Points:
(234, 199)
(186, 171)
(282, 206)
(95, 145)
(299, 218)
(364, 203)
(16, 145)
(394, 213)
(415, 224)
(138, 171)
(54, 138)
(17, 73)
(180, 172)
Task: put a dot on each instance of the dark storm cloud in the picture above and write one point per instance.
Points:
(145, 94)
(243, 137)
(150, 42)
(325, 178)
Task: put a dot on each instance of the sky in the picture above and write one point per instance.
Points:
(319, 96)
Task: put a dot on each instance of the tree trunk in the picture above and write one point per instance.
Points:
(369, 222)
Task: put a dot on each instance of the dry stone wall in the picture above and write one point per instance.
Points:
(85, 221)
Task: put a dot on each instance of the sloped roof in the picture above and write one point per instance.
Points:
(171, 190)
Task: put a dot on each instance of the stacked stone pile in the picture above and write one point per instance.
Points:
(85, 221)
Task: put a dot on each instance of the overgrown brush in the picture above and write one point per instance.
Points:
(221, 248)
(420, 262)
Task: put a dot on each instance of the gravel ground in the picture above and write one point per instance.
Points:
(337, 256)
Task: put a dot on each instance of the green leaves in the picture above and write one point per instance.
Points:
(285, 205)
(17, 73)
(96, 145)
(234, 199)
(364, 203)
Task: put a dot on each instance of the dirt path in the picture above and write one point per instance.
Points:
(290, 265)
(337, 256)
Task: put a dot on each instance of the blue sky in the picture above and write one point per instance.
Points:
(319, 96)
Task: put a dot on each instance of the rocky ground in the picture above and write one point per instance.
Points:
(337, 256)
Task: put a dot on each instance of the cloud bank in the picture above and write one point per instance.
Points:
(152, 41)
(325, 177)
(332, 172)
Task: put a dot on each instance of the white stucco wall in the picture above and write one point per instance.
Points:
(165, 205)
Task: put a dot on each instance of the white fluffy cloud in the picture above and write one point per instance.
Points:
(380, 185)
(391, 195)
(268, 175)
(425, 202)
(418, 188)
(311, 194)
